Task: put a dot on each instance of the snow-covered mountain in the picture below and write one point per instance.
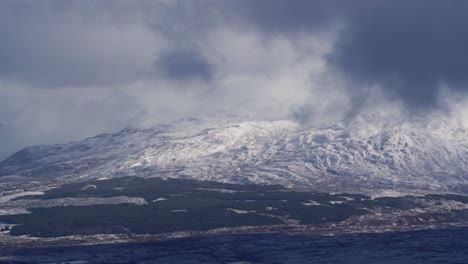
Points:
(372, 153)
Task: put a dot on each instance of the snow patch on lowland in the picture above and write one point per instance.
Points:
(7, 198)
(22, 206)
(159, 200)
(239, 211)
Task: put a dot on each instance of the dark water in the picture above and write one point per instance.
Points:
(430, 246)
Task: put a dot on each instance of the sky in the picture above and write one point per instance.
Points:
(74, 69)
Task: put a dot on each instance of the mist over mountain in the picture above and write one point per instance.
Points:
(73, 70)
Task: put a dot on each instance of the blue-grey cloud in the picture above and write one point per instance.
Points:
(282, 16)
(184, 64)
(52, 44)
(409, 48)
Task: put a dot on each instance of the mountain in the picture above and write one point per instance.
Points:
(377, 153)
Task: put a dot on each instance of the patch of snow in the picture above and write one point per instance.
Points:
(10, 197)
(179, 211)
(20, 206)
(103, 178)
(310, 203)
(239, 211)
(349, 199)
(392, 193)
(159, 199)
(89, 187)
(337, 202)
(218, 190)
(14, 211)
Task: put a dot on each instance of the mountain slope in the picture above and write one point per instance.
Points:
(370, 153)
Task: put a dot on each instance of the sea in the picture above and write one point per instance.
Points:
(416, 247)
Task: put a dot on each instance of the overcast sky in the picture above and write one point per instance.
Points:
(73, 69)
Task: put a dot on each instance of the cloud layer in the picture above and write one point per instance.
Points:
(73, 69)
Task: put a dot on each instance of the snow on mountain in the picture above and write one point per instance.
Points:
(371, 153)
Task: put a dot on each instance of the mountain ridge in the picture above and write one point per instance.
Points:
(370, 153)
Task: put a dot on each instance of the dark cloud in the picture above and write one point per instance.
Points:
(410, 48)
(283, 16)
(184, 64)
